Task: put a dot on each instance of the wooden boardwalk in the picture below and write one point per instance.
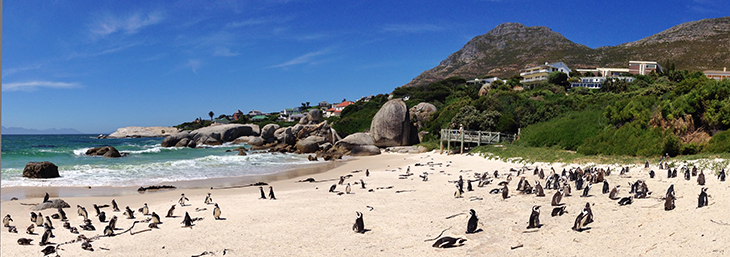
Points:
(470, 136)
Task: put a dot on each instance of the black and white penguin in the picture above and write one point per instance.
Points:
(471, 226)
(271, 193)
(113, 222)
(24, 241)
(674, 173)
(46, 198)
(448, 242)
(48, 222)
(342, 180)
(102, 216)
(187, 221)
(39, 221)
(424, 176)
(33, 217)
(62, 213)
(468, 185)
(348, 188)
(626, 201)
(30, 228)
(145, 210)
(362, 184)
(539, 192)
(606, 188)
(646, 165)
(155, 218)
(45, 237)
(48, 250)
(66, 225)
(82, 211)
(557, 197)
(217, 212)
(541, 174)
(670, 191)
(558, 211)
(534, 217)
(458, 191)
(701, 178)
(170, 212)
(129, 213)
(578, 224)
(332, 188)
(108, 231)
(586, 190)
(687, 175)
(6, 220)
(721, 175)
(702, 201)
(669, 172)
(589, 216)
(115, 207)
(505, 192)
(208, 200)
(460, 182)
(96, 208)
(669, 202)
(86, 245)
(367, 172)
(359, 226)
(651, 174)
(182, 200)
(88, 226)
(614, 192)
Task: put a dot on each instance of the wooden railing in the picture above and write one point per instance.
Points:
(470, 136)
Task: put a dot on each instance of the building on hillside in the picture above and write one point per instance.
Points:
(295, 117)
(597, 82)
(258, 118)
(605, 72)
(255, 113)
(644, 67)
(718, 75)
(336, 109)
(481, 82)
(539, 73)
(365, 98)
(237, 115)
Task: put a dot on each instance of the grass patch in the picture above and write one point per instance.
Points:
(525, 154)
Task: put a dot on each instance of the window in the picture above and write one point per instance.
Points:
(651, 66)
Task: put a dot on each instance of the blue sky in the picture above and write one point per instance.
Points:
(96, 66)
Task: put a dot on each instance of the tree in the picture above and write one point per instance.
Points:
(589, 74)
(558, 78)
(211, 115)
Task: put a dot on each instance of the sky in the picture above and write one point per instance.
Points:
(96, 66)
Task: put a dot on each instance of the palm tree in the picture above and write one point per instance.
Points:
(211, 115)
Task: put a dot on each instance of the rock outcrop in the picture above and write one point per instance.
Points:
(267, 132)
(213, 135)
(351, 141)
(391, 125)
(106, 151)
(312, 117)
(365, 150)
(143, 132)
(40, 170)
(421, 113)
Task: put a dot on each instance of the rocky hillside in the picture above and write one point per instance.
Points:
(503, 51)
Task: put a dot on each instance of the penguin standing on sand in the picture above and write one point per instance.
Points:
(589, 215)
(145, 210)
(187, 221)
(39, 221)
(468, 185)
(505, 192)
(271, 193)
(48, 222)
(129, 213)
(701, 178)
(702, 201)
(605, 187)
(62, 213)
(347, 188)
(534, 217)
(367, 172)
(44, 238)
(108, 231)
(539, 191)
(614, 192)
(458, 191)
(96, 208)
(359, 226)
(30, 229)
(113, 222)
(170, 212)
(102, 217)
(342, 180)
(557, 197)
(721, 175)
(263, 195)
(33, 217)
(7, 220)
(182, 200)
(217, 212)
(651, 174)
(332, 188)
(115, 207)
(586, 190)
(578, 224)
(362, 184)
(155, 218)
(471, 226)
(82, 211)
(208, 200)
(46, 198)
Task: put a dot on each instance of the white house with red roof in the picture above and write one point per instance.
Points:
(337, 109)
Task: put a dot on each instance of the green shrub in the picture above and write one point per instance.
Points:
(720, 143)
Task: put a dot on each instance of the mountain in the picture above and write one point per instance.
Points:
(25, 131)
(509, 47)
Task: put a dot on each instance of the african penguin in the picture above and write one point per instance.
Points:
(586, 190)
(605, 187)
(129, 213)
(367, 172)
(24, 241)
(182, 200)
(589, 216)
(669, 203)
(448, 242)
(557, 197)
(62, 213)
(108, 231)
(332, 188)
(49, 223)
(271, 193)
(115, 207)
(33, 217)
(155, 218)
(702, 201)
(721, 175)
(44, 238)
(701, 178)
(578, 224)
(187, 221)
(145, 210)
(359, 226)
(7, 220)
(348, 188)
(670, 191)
(471, 226)
(102, 216)
(651, 174)
(534, 217)
(458, 191)
(558, 211)
(49, 250)
(82, 211)
(505, 192)
(96, 208)
(170, 212)
(217, 212)
(46, 198)
(626, 201)
(342, 180)
(539, 192)
(30, 229)
(39, 221)
(362, 184)
(614, 192)
(468, 185)
(208, 200)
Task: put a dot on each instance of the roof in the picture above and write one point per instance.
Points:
(343, 104)
(258, 117)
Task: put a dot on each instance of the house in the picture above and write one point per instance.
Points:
(365, 98)
(605, 72)
(644, 67)
(237, 115)
(336, 109)
(295, 117)
(718, 75)
(596, 82)
(258, 118)
(480, 82)
(255, 113)
(538, 74)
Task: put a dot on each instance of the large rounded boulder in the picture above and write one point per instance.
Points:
(40, 170)
(106, 151)
(310, 144)
(268, 131)
(391, 125)
(357, 139)
(421, 113)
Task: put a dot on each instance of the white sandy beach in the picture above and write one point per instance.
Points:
(307, 220)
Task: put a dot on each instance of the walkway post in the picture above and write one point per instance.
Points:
(462, 141)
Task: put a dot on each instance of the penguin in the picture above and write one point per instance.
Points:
(86, 246)
(182, 200)
(87, 225)
(702, 201)
(33, 217)
(424, 177)
(48, 221)
(7, 220)
(12, 229)
(721, 175)
(30, 229)
(362, 184)
(359, 226)
(46, 198)
(646, 165)
(586, 190)
(448, 242)
(73, 230)
(471, 226)
(342, 180)
(534, 217)
(541, 175)
(187, 221)
(701, 179)
(66, 225)
(113, 222)
(170, 212)
(108, 231)
(496, 174)
(651, 174)
(539, 192)
(367, 172)
(670, 191)
(145, 210)
(669, 202)
(669, 172)
(687, 175)
(460, 182)
(674, 173)
(115, 207)
(24, 241)
(102, 217)
(589, 215)
(44, 238)
(458, 192)
(566, 189)
(557, 197)
(49, 250)
(605, 187)
(263, 195)
(217, 212)
(505, 192)
(39, 221)
(62, 213)
(208, 200)
(468, 185)
(558, 211)
(347, 188)
(271, 193)
(614, 192)
(332, 188)
(626, 201)
(82, 211)
(129, 213)
(578, 224)
(155, 218)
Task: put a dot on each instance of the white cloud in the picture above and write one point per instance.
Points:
(194, 65)
(223, 51)
(306, 58)
(34, 85)
(412, 28)
(129, 25)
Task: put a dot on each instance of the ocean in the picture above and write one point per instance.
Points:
(147, 163)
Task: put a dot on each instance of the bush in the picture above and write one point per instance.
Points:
(720, 143)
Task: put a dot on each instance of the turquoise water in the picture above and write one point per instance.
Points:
(146, 163)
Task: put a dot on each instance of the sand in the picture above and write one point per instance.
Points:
(307, 220)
